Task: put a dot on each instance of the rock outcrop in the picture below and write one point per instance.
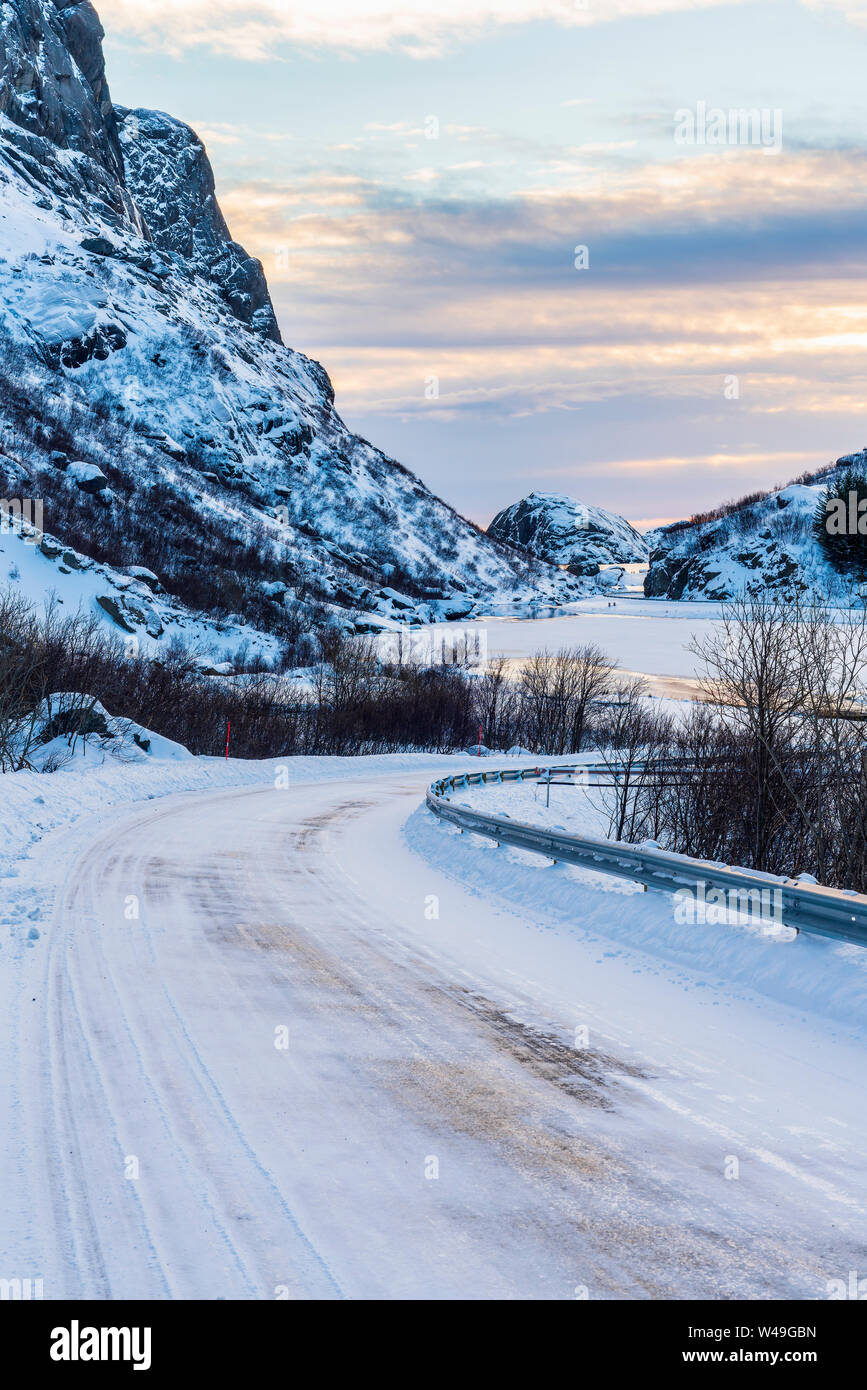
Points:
(170, 177)
(52, 78)
(564, 531)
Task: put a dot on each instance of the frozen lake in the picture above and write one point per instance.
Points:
(646, 636)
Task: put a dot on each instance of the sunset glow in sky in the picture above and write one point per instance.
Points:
(416, 179)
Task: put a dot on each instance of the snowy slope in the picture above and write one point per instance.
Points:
(763, 546)
(131, 603)
(137, 338)
(563, 531)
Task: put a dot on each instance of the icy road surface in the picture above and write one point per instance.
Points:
(321, 1064)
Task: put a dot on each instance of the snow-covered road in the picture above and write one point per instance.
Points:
(320, 1062)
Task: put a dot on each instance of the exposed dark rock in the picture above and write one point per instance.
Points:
(171, 179)
(116, 611)
(52, 78)
(98, 343)
(87, 477)
(98, 246)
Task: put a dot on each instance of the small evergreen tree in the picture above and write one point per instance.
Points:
(840, 522)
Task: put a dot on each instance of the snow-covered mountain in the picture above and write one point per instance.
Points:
(146, 397)
(763, 544)
(563, 531)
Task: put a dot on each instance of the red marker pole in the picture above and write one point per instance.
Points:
(228, 736)
(480, 740)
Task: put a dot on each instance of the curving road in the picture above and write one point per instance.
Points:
(275, 1058)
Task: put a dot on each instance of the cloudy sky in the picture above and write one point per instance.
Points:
(417, 177)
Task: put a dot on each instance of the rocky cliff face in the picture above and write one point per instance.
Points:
(60, 132)
(137, 339)
(563, 531)
(170, 178)
(52, 78)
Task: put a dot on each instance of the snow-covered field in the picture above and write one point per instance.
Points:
(272, 1030)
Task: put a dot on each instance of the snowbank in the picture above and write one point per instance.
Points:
(807, 973)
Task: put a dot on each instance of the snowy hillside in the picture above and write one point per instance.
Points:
(146, 398)
(563, 531)
(762, 545)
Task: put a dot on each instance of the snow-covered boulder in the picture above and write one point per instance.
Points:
(207, 666)
(146, 576)
(69, 727)
(452, 609)
(87, 477)
(130, 613)
(396, 600)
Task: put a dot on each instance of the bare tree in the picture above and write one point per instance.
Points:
(495, 703)
(557, 692)
(22, 681)
(754, 675)
(635, 745)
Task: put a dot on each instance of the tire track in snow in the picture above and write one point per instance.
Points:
(305, 1169)
(85, 1087)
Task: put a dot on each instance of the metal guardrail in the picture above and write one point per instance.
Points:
(807, 907)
